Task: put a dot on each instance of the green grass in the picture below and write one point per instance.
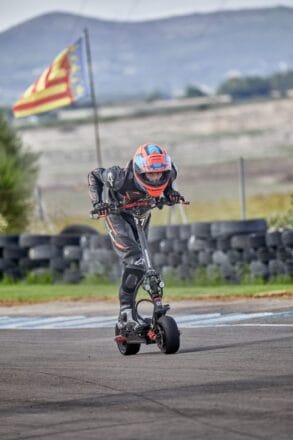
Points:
(21, 293)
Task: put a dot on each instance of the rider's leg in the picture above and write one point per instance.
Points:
(125, 243)
(131, 280)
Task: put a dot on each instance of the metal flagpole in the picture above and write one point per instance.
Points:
(242, 188)
(93, 96)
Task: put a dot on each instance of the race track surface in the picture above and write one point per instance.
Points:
(231, 381)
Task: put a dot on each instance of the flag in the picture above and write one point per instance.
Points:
(62, 83)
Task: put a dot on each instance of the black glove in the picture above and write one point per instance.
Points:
(173, 196)
(101, 208)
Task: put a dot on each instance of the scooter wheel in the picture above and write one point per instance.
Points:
(124, 348)
(168, 339)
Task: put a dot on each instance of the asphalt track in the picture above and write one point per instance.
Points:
(228, 381)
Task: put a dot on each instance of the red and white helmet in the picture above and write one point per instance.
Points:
(151, 158)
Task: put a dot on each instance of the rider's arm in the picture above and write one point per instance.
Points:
(112, 177)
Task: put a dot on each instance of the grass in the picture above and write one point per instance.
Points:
(261, 206)
(33, 294)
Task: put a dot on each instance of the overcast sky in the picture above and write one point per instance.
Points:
(16, 11)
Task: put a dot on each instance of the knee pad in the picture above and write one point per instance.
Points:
(132, 278)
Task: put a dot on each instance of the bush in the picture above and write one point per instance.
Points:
(18, 171)
(194, 92)
(246, 87)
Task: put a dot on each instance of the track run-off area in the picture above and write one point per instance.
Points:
(62, 377)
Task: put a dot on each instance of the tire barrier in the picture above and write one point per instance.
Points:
(230, 251)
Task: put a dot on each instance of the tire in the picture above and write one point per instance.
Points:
(283, 254)
(179, 246)
(249, 255)
(160, 259)
(289, 268)
(43, 252)
(166, 245)
(72, 253)
(257, 241)
(72, 277)
(201, 229)
(189, 258)
(274, 239)
(8, 239)
(276, 268)
(173, 259)
(219, 257)
(6, 265)
(183, 272)
(184, 231)
(65, 240)
(167, 271)
(210, 245)
(154, 247)
(233, 227)
(223, 244)
(157, 233)
(172, 231)
(228, 273)
(124, 348)
(196, 244)
(287, 238)
(27, 264)
(259, 269)
(234, 256)
(94, 241)
(168, 339)
(32, 240)
(79, 230)
(14, 252)
(263, 254)
(240, 242)
(205, 258)
(58, 264)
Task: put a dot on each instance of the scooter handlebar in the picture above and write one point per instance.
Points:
(116, 208)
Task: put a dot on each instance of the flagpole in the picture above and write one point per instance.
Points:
(93, 96)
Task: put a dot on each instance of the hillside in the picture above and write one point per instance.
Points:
(132, 59)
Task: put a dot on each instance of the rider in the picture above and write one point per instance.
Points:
(149, 174)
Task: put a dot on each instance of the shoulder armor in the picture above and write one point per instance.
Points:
(114, 177)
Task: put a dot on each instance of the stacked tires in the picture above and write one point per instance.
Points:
(229, 250)
(68, 257)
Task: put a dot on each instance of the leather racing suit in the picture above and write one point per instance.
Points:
(122, 187)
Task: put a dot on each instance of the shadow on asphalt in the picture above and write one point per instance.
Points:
(238, 344)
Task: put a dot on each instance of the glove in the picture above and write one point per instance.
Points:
(101, 208)
(173, 196)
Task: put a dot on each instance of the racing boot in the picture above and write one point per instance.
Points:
(129, 320)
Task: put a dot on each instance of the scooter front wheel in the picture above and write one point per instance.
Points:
(125, 348)
(168, 336)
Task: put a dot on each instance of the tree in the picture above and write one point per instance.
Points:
(18, 172)
(246, 87)
(194, 92)
(282, 81)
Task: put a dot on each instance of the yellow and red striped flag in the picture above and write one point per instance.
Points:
(62, 83)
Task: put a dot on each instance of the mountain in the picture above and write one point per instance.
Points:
(136, 58)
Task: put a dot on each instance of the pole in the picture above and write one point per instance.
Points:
(93, 96)
(242, 188)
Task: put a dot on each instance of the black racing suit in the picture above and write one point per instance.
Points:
(122, 187)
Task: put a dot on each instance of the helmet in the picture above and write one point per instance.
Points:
(150, 158)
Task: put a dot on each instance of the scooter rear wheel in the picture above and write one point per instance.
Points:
(124, 348)
(168, 338)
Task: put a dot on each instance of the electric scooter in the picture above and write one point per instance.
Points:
(160, 328)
